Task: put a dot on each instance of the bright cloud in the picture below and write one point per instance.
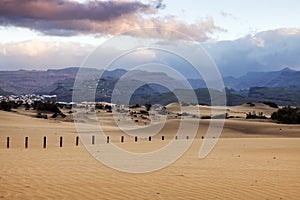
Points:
(65, 18)
(35, 54)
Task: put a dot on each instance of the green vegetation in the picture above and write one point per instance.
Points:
(148, 106)
(206, 117)
(41, 116)
(279, 95)
(271, 104)
(251, 104)
(219, 116)
(253, 115)
(6, 106)
(287, 115)
(46, 107)
(99, 106)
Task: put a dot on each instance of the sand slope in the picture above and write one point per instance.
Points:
(253, 160)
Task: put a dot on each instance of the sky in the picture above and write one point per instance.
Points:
(239, 18)
(69, 29)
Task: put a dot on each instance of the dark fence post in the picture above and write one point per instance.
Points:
(122, 139)
(149, 138)
(60, 141)
(7, 142)
(77, 140)
(45, 142)
(107, 139)
(26, 142)
(93, 139)
(162, 137)
(135, 139)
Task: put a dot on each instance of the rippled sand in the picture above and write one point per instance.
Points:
(252, 160)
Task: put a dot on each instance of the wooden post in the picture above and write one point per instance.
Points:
(45, 142)
(135, 138)
(77, 140)
(187, 137)
(60, 141)
(162, 137)
(26, 142)
(149, 138)
(176, 137)
(7, 142)
(107, 139)
(93, 139)
(122, 139)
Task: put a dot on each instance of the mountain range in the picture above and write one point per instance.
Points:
(253, 86)
(283, 78)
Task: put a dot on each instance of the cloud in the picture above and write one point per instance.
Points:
(70, 10)
(35, 54)
(160, 5)
(65, 18)
(264, 51)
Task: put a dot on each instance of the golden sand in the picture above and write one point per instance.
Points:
(252, 160)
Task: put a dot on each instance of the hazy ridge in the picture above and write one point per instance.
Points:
(282, 87)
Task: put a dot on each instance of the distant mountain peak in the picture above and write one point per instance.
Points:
(287, 70)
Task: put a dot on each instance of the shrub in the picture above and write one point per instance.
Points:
(195, 116)
(148, 106)
(55, 115)
(183, 114)
(16, 104)
(287, 115)
(108, 108)
(220, 116)
(6, 106)
(184, 104)
(206, 117)
(144, 112)
(253, 115)
(40, 115)
(271, 104)
(99, 106)
(135, 106)
(47, 106)
(251, 104)
(27, 106)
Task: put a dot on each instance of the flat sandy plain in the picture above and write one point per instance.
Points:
(252, 160)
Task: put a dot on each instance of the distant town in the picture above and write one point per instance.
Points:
(28, 98)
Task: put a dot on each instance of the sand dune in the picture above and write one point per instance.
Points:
(252, 160)
(235, 111)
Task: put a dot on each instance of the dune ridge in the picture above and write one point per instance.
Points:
(252, 160)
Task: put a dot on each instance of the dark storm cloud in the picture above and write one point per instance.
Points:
(70, 10)
(65, 18)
